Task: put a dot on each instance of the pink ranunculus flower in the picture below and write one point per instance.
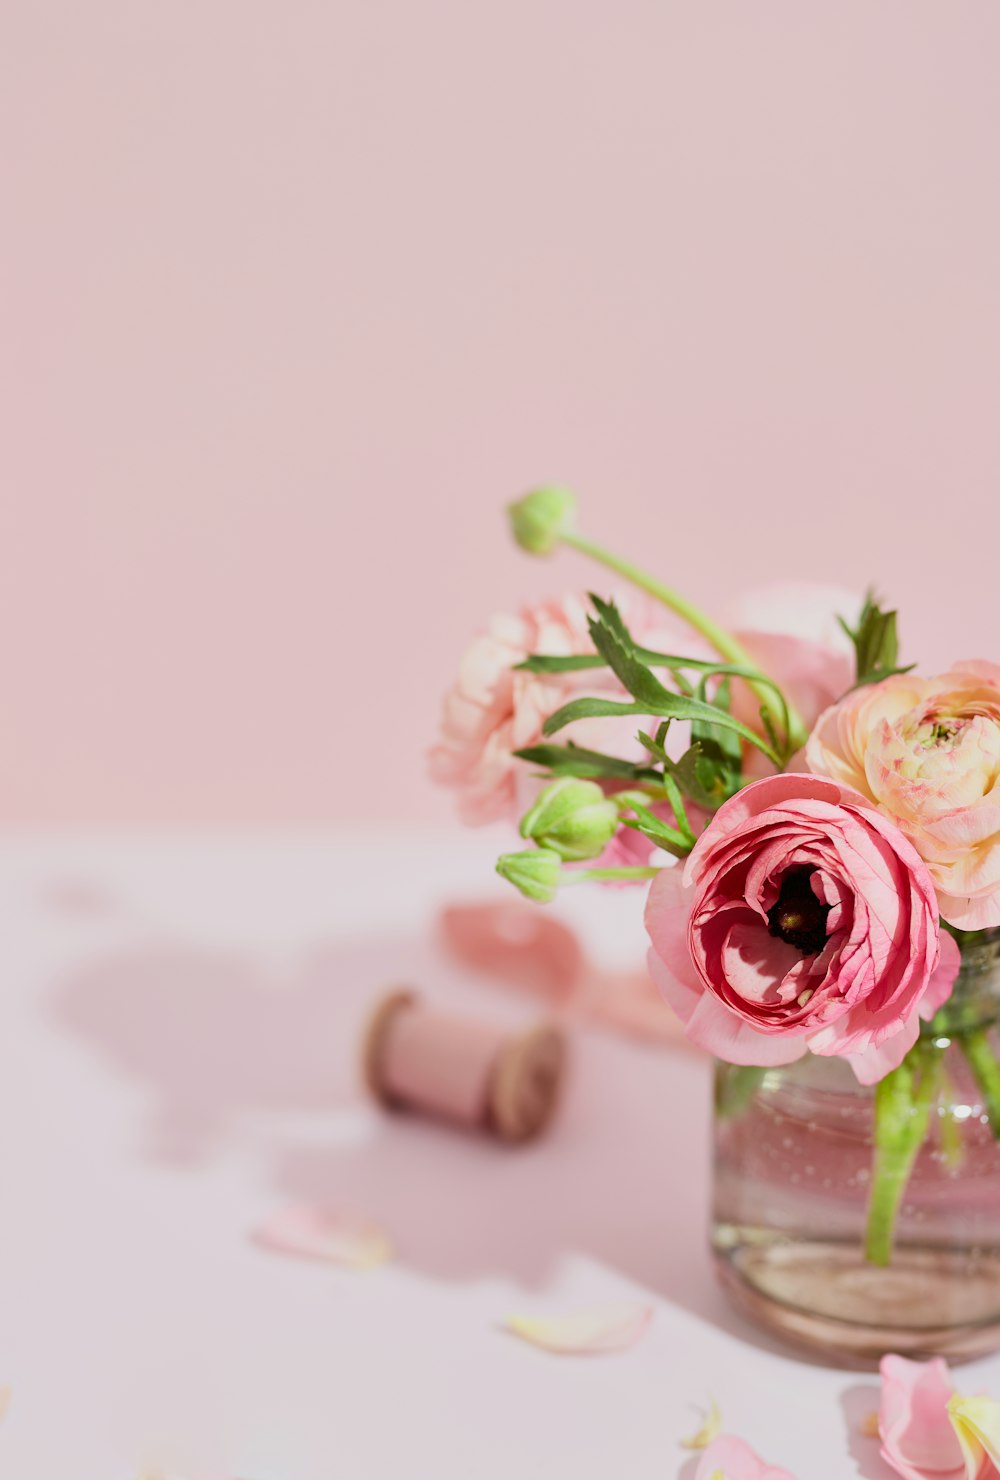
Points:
(733, 1459)
(928, 1431)
(802, 920)
(494, 710)
(927, 752)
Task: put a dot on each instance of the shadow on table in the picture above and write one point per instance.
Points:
(215, 1036)
(858, 1402)
(217, 1041)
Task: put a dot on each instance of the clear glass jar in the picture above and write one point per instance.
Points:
(794, 1157)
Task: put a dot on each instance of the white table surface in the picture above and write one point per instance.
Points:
(180, 1022)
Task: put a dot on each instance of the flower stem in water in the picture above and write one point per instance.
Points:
(983, 1062)
(903, 1103)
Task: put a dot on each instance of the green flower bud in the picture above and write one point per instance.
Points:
(541, 518)
(572, 817)
(535, 873)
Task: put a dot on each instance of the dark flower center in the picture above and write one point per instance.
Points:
(799, 917)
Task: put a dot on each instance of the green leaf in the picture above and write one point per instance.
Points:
(704, 779)
(675, 664)
(698, 777)
(543, 664)
(719, 733)
(876, 645)
(670, 706)
(588, 708)
(612, 640)
(612, 620)
(676, 800)
(574, 760)
(658, 831)
(546, 663)
(725, 743)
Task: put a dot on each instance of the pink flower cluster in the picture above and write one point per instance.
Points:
(807, 918)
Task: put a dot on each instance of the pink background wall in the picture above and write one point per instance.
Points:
(297, 294)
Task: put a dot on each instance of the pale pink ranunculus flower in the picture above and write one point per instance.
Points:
(802, 920)
(928, 1431)
(927, 752)
(735, 1460)
(494, 710)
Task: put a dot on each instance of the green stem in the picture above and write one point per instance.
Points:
(735, 1087)
(952, 1144)
(983, 1062)
(721, 640)
(902, 1120)
(580, 875)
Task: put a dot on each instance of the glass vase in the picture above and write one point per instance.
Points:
(812, 1238)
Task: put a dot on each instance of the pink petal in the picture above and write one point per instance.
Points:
(918, 1440)
(668, 909)
(735, 1460)
(712, 1026)
(942, 980)
(317, 1233)
(812, 675)
(879, 1059)
(966, 912)
(748, 804)
(755, 962)
(606, 1329)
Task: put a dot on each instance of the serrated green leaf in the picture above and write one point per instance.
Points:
(675, 664)
(711, 719)
(672, 706)
(612, 619)
(613, 643)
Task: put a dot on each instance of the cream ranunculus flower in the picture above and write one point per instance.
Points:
(927, 752)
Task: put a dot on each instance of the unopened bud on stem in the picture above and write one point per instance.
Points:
(541, 518)
(535, 873)
(572, 817)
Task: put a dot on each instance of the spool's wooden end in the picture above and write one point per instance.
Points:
(527, 1081)
(373, 1044)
